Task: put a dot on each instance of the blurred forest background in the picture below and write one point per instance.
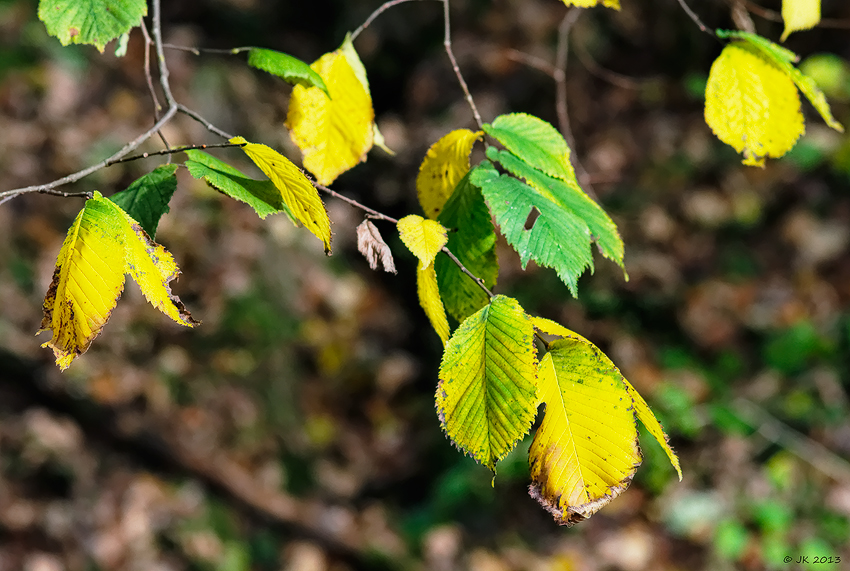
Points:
(295, 429)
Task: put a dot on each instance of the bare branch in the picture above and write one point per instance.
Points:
(172, 150)
(447, 42)
(535, 62)
(156, 106)
(160, 54)
(474, 278)
(692, 15)
(380, 10)
(210, 127)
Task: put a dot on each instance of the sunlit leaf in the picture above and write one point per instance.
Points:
(147, 198)
(535, 142)
(446, 162)
(296, 190)
(261, 195)
(334, 134)
(429, 299)
(784, 59)
(487, 396)
(373, 247)
(102, 245)
(286, 67)
(473, 241)
(590, 3)
(94, 22)
(422, 237)
(799, 15)
(752, 105)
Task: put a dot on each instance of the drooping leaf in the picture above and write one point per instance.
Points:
(102, 245)
(147, 198)
(446, 162)
(473, 241)
(422, 237)
(296, 190)
(534, 141)
(334, 134)
(586, 451)
(261, 195)
(94, 22)
(487, 395)
(799, 15)
(752, 105)
(373, 247)
(286, 67)
(784, 59)
(615, 4)
(429, 299)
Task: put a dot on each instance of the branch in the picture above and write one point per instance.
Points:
(160, 54)
(172, 150)
(210, 127)
(156, 106)
(692, 15)
(381, 9)
(474, 278)
(447, 43)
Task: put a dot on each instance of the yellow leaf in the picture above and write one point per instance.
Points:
(615, 4)
(645, 416)
(422, 237)
(333, 134)
(429, 299)
(445, 164)
(799, 15)
(297, 192)
(102, 244)
(752, 105)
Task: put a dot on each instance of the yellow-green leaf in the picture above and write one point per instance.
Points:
(333, 134)
(102, 244)
(647, 418)
(445, 164)
(297, 192)
(429, 299)
(752, 105)
(422, 237)
(799, 15)
(487, 396)
(586, 451)
(615, 4)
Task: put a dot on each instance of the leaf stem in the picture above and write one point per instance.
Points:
(172, 150)
(472, 276)
(209, 126)
(447, 43)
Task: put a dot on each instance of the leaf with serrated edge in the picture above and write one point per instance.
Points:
(94, 22)
(615, 4)
(585, 452)
(642, 410)
(422, 237)
(487, 395)
(89, 277)
(558, 239)
(333, 134)
(261, 195)
(752, 105)
(147, 198)
(429, 299)
(799, 15)
(474, 244)
(296, 190)
(783, 59)
(445, 163)
(286, 67)
(373, 247)
(534, 141)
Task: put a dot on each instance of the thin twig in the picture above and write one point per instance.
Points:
(472, 276)
(535, 62)
(612, 77)
(381, 9)
(172, 150)
(210, 127)
(125, 150)
(371, 212)
(692, 15)
(199, 51)
(561, 58)
(157, 108)
(160, 54)
(447, 43)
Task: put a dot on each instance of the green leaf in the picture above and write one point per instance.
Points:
(568, 220)
(783, 59)
(534, 141)
(261, 195)
(286, 67)
(147, 198)
(474, 243)
(95, 22)
(487, 395)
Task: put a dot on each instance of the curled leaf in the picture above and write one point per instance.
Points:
(373, 247)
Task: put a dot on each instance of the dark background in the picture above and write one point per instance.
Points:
(295, 429)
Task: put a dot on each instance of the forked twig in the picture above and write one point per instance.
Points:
(447, 43)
